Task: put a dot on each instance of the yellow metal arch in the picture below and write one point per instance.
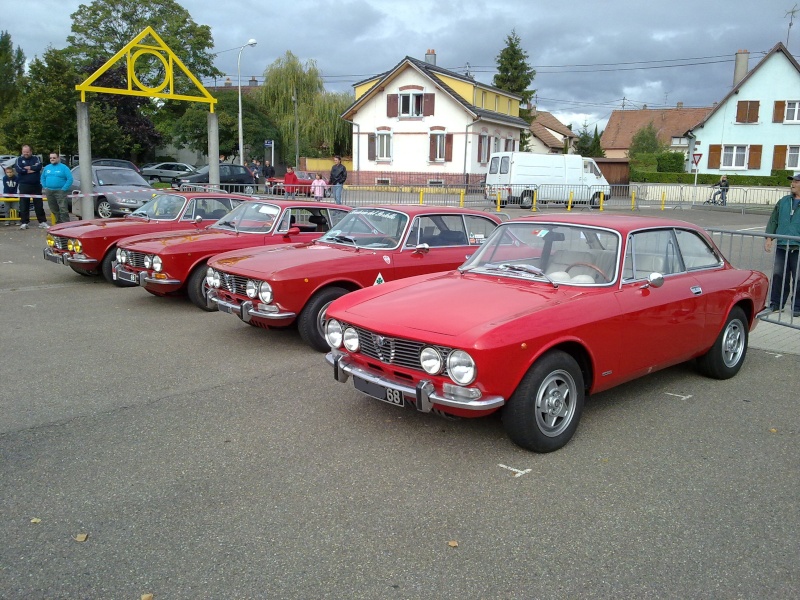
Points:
(135, 49)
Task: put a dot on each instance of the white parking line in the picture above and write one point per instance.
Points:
(681, 396)
(517, 472)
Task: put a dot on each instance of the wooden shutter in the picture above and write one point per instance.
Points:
(714, 156)
(754, 160)
(448, 147)
(779, 157)
(741, 111)
(391, 105)
(747, 111)
(480, 148)
(432, 148)
(428, 103)
(778, 111)
(371, 139)
(752, 113)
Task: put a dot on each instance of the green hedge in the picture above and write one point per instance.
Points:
(777, 179)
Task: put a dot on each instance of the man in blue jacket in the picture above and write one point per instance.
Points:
(56, 181)
(28, 168)
(785, 220)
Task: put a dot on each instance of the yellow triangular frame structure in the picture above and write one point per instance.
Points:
(133, 50)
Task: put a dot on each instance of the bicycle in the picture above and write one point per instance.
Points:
(712, 198)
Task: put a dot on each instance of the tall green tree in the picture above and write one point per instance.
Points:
(321, 130)
(645, 141)
(595, 149)
(515, 75)
(12, 65)
(583, 145)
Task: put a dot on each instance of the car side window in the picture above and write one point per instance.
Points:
(478, 228)
(505, 164)
(696, 252)
(224, 171)
(188, 214)
(652, 251)
(301, 218)
(336, 215)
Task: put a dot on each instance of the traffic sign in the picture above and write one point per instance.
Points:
(696, 158)
(268, 143)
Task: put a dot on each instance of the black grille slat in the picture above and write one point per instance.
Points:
(60, 242)
(136, 259)
(395, 351)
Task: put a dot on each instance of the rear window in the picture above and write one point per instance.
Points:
(493, 166)
(505, 163)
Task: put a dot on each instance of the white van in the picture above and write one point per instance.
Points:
(515, 175)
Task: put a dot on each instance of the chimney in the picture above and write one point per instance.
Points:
(228, 82)
(679, 105)
(253, 80)
(740, 68)
(430, 57)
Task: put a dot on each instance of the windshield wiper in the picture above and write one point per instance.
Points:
(343, 239)
(520, 268)
(230, 224)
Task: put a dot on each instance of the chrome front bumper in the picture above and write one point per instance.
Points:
(66, 258)
(424, 393)
(245, 311)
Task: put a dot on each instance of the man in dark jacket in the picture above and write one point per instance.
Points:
(785, 220)
(28, 168)
(337, 179)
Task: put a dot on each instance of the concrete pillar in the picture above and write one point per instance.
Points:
(213, 148)
(85, 161)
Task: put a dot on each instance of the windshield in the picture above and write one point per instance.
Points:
(369, 228)
(204, 170)
(250, 217)
(120, 177)
(163, 207)
(561, 253)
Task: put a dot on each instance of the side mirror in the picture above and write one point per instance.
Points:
(422, 249)
(292, 231)
(198, 219)
(655, 280)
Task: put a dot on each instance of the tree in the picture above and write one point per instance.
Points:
(12, 65)
(583, 145)
(595, 150)
(515, 75)
(321, 130)
(645, 141)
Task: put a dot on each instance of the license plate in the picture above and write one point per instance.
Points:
(56, 258)
(227, 308)
(379, 392)
(127, 276)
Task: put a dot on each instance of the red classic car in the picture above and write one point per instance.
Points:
(275, 287)
(89, 247)
(170, 262)
(550, 309)
(302, 187)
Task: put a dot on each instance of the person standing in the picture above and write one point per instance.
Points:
(723, 185)
(56, 181)
(290, 182)
(9, 189)
(785, 220)
(318, 187)
(28, 168)
(269, 171)
(337, 179)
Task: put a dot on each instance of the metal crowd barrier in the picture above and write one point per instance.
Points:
(745, 250)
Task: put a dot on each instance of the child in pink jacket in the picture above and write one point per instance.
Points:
(318, 187)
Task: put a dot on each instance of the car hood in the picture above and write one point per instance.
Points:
(268, 262)
(449, 303)
(186, 240)
(103, 227)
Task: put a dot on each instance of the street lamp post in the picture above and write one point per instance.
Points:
(251, 42)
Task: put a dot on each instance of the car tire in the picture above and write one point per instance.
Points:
(106, 268)
(103, 208)
(543, 413)
(527, 200)
(196, 287)
(727, 355)
(249, 189)
(311, 320)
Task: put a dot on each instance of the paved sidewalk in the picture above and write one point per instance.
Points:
(777, 337)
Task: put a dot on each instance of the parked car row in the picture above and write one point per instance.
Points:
(445, 310)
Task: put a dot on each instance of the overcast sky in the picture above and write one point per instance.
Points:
(590, 56)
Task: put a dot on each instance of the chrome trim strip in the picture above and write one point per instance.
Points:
(80, 261)
(143, 278)
(424, 392)
(246, 312)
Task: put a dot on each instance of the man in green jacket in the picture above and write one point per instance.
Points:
(785, 220)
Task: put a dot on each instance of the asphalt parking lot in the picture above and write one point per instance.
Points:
(207, 459)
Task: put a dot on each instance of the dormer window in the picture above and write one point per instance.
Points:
(410, 105)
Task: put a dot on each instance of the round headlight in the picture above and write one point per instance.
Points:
(216, 280)
(157, 266)
(51, 241)
(123, 256)
(461, 367)
(350, 339)
(333, 333)
(148, 261)
(76, 245)
(431, 361)
(265, 292)
(70, 245)
(118, 253)
(251, 288)
(210, 277)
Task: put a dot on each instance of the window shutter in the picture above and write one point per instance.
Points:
(754, 161)
(778, 111)
(752, 111)
(371, 138)
(741, 111)
(480, 148)
(391, 105)
(428, 103)
(448, 147)
(779, 157)
(432, 148)
(714, 156)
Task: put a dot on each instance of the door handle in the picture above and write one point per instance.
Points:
(696, 290)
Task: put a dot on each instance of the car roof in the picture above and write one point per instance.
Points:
(205, 194)
(412, 210)
(621, 223)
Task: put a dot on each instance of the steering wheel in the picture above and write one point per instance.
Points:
(590, 266)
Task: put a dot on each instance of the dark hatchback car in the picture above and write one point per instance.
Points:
(238, 175)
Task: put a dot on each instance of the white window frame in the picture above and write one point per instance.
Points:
(732, 155)
(383, 181)
(680, 141)
(484, 146)
(415, 104)
(792, 114)
(793, 157)
(440, 145)
(495, 144)
(383, 145)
